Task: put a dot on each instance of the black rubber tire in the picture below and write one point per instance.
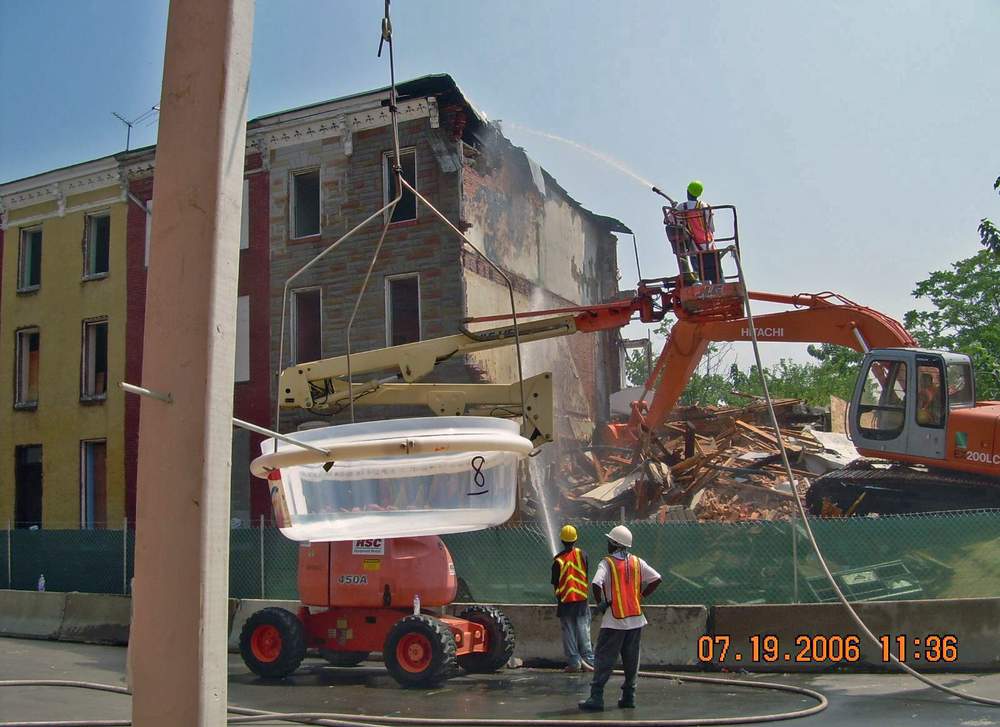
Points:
(441, 664)
(292, 646)
(499, 640)
(344, 658)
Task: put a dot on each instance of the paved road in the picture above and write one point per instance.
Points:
(885, 700)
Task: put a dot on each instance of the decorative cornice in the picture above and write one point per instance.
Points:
(59, 184)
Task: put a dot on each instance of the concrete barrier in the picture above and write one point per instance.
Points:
(247, 607)
(96, 618)
(669, 639)
(802, 634)
(31, 614)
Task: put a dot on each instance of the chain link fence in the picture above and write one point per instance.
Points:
(948, 555)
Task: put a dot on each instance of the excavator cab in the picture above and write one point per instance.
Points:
(904, 399)
(705, 242)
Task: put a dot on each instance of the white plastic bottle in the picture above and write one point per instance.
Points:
(416, 605)
(41, 582)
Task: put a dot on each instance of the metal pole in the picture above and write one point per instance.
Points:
(795, 558)
(261, 555)
(125, 556)
(10, 548)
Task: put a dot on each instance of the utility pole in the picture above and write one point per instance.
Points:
(180, 623)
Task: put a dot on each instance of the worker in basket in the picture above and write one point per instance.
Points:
(690, 228)
(569, 579)
(620, 583)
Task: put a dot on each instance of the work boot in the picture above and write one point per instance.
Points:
(627, 699)
(595, 702)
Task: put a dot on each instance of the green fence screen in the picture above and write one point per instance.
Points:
(927, 556)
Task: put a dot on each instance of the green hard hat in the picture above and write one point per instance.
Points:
(696, 188)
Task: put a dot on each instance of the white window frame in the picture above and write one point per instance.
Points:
(21, 353)
(388, 306)
(242, 368)
(245, 217)
(295, 322)
(21, 259)
(87, 233)
(291, 202)
(87, 377)
(386, 159)
(86, 524)
(149, 230)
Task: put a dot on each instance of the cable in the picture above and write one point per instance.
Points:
(334, 719)
(808, 528)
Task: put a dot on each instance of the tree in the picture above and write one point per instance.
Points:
(989, 235)
(966, 315)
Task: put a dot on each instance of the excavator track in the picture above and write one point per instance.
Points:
(867, 487)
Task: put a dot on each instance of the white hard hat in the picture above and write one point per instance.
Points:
(621, 535)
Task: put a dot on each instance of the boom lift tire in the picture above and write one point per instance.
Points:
(343, 658)
(273, 643)
(420, 651)
(499, 640)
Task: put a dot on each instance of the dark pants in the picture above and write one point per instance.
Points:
(611, 643)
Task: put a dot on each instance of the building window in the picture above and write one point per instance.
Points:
(242, 338)
(306, 325)
(882, 408)
(149, 229)
(402, 309)
(29, 261)
(26, 354)
(28, 486)
(97, 245)
(305, 203)
(407, 207)
(245, 216)
(94, 380)
(93, 485)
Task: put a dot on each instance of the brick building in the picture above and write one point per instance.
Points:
(329, 166)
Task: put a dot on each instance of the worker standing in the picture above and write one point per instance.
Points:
(569, 579)
(620, 583)
(699, 224)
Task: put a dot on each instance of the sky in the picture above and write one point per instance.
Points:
(858, 140)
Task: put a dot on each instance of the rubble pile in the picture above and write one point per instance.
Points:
(705, 463)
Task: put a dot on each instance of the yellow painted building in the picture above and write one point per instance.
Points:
(62, 348)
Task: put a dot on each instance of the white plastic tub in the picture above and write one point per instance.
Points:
(394, 478)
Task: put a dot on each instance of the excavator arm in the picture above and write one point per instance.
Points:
(820, 318)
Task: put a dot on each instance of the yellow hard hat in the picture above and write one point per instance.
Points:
(696, 188)
(567, 534)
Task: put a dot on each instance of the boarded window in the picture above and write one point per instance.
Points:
(29, 261)
(28, 486)
(407, 207)
(98, 244)
(94, 382)
(245, 216)
(306, 324)
(93, 485)
(402, 309)
(149, 229)
(305, 203)
(26, 354)
(243, 338)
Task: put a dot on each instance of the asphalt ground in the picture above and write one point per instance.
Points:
(863, 699)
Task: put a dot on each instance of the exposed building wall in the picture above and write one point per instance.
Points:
(58, 307)
(561, 256)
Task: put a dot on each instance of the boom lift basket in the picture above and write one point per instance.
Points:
(394, 478)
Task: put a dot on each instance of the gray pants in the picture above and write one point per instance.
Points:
(611, 643)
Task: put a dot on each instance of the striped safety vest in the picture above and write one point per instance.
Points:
(572, 576)
(697, 220)
(626, 584)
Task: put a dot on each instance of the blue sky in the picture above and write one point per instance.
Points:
(859, 140)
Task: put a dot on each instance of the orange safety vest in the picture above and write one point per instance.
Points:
(572, 577)
(626, 585)
(697, 221)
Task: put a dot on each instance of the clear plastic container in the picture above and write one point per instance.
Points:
(454, 474)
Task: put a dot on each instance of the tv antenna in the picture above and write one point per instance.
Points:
(129, 124)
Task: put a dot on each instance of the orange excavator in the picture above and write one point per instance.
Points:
(931, 445)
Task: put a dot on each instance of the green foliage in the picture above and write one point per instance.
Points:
(989, 235)
(637, 368)
(966, 316)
